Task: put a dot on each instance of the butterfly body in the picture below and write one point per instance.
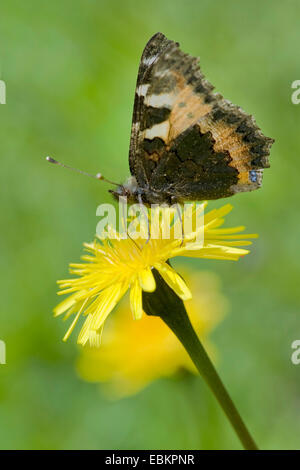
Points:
(188, 143)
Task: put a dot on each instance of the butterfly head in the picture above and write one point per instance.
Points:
(128, 189)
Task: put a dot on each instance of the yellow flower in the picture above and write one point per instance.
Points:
(113, 266)
(133, 354)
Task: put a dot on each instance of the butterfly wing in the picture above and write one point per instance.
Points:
(188, 142)
(155, 48)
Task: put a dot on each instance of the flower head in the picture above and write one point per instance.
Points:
(133, 354)
(114, 266)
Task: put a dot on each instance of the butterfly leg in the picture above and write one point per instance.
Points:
(124, 222)
(145, 214)
(178, 209)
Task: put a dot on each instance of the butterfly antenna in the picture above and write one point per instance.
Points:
(98, 176)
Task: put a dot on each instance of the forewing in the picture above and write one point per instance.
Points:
(155, 47)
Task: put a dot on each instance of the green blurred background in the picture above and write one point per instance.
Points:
(70, 69)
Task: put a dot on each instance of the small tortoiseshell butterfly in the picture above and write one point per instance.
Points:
(188, 143)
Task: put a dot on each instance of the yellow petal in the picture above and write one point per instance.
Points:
(211, 235)
(106, 302)
(147, 281)
(216, 252)
(95, 338)
(240, 228)
(136, 304)
(68, 333)
(218, 213)
(84, 332)
(65, 305)
(174, 281)
(233, 243)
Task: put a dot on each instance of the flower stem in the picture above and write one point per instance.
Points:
(165, 304)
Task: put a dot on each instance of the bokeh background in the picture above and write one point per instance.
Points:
(70, 69)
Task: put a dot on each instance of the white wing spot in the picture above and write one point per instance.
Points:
(149, 60)
(142, 89)
(159, 130)
(164, 100)
(160, 73)
(135, 126)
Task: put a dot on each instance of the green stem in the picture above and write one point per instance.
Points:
(165, 304)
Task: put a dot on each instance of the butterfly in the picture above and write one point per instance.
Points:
(188, 143)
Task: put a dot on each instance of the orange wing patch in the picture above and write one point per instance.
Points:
(227, 139)
(188, 108)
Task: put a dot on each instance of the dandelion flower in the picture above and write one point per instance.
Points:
(134, 354)
(114, 266)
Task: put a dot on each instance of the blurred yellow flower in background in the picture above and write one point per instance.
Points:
(114, 266)
(135, 353)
